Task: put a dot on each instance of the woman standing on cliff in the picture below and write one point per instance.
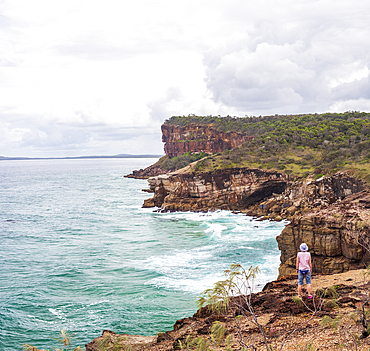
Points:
(304, 269)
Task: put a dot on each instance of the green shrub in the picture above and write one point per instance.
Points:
(328, 322)
(324, 142)
(178, 162)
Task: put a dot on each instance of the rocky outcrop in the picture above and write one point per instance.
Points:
(283, 318)
(110, 340)
(146, 173)
(221, 189)
(306, 195)
(198, 138)
(337, 236)
(330, 214)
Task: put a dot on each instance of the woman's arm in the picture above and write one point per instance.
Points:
(310, 263)
(297, 262)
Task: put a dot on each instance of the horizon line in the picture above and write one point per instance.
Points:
(4, 158)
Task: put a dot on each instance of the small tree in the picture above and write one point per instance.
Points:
(236, 293)
(65, 339)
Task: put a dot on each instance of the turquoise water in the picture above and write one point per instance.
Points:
(77, 252)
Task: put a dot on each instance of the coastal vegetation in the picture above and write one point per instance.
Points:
(297, 144)
(181, 161)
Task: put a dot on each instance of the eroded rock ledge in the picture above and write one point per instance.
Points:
(222, 189)
(147, 172)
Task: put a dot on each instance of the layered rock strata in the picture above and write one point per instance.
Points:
(221, 189)
(330, 214)
(306, 195)
(199, 138)
(191, 138)
(337, 236)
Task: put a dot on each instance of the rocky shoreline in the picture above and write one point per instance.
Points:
(331, 214)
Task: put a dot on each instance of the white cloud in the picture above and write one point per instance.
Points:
(294, 57)
(87, 77)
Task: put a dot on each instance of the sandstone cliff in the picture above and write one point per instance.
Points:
(221, 189)
(198, 138)
(337, 236)
(194, 139)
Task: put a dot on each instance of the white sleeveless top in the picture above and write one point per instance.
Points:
(304, 261)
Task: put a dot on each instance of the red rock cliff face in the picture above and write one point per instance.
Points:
(196, 138)
(337, 234)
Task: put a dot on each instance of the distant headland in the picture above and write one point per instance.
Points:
(3, 158)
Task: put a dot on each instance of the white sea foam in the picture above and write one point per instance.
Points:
(238, 228)
(247, 247)
(215, 229)
(97, 303)
(195, 286)
(199, 216)
(194, 270)
(177, 262)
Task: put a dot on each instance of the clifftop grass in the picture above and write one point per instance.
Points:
(298, 144)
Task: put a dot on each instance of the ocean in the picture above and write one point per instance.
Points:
(77, 252)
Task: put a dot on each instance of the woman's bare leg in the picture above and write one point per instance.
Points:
(309, 289)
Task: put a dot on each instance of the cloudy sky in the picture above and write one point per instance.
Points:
(99, 77)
